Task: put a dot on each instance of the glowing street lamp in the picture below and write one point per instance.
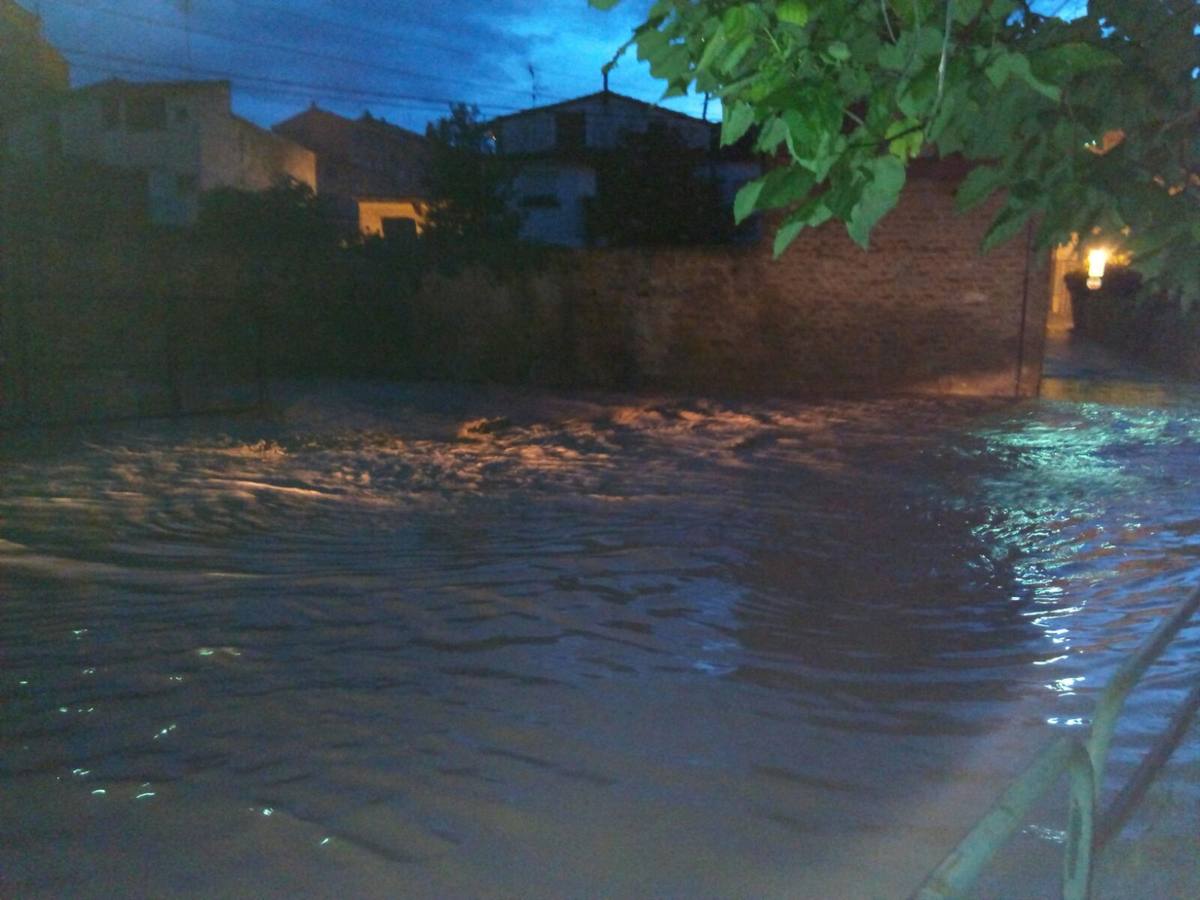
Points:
(1097, 260)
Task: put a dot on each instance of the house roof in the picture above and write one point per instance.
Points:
(366, 120)
(607, 95)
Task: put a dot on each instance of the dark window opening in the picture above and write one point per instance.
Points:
(147, 113)
(570, 131)
(540, 201)
(398, 228)
(110, 112)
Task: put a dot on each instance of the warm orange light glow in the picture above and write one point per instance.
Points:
(1097, 261)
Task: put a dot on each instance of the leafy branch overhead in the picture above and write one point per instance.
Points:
(1085, 127)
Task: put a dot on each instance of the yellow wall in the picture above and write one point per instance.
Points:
(1066, 258)
(371, 214)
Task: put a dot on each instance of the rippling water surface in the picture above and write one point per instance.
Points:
(387, 643)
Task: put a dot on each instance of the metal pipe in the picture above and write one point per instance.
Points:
(1122, 806)
(1109, 706)
(1085, 764)
(1081, 820)
(962, 866)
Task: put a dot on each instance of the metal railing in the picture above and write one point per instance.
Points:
(1083, 761)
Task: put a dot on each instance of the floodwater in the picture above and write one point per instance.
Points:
(385, 643)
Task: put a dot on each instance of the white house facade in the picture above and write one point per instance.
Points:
(558, 147)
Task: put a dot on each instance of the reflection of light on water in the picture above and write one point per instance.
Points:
(1053, 835)
(1066, 686)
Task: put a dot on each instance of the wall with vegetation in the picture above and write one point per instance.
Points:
(1147, 326)
(142, 322)
(921, 311)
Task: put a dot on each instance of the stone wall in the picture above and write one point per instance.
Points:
(922, 310)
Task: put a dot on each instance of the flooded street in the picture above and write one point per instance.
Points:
(419, 641)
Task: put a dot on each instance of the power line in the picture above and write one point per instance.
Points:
(360, 93)
(307, 90)
(190, 30)
(368, 32)
(405, 43)
(134, 71)
(404, 40)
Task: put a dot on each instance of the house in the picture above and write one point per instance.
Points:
(181, 136)
(372, 172)
(561, 149)
(31, 70)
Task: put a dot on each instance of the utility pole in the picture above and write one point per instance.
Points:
(187, 32)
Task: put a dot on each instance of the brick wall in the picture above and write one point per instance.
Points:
(922, 310)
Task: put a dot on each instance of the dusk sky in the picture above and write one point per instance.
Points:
(404, 60)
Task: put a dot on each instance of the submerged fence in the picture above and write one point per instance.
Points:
(1083, 761)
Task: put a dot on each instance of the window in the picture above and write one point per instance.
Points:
(540, 201)
(110, 113)
(399, 229)
(182, 114)
(146, 113)
(570, 131)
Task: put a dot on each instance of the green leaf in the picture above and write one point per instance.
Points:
(785, 235)
(735, 20)
(1005, 226)
(737, 54)
(671, 63)
(892, 58)
(800, 135)
(838, 51)
(784, 186)
(771, 135)
(1075, 58)
(905, 138)
(603, 4)
(651, 44)
(965, 11)
(977, 186)
(746, 200)
(809, 214)
(793, 12)
(735, 122)
(879, 196)
(1016, 65)
(715, 45)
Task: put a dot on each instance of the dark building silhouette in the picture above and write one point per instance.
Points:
(31, 70)
(370, 171)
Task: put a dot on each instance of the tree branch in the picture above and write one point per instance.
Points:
(887, 20)
(941, 76)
